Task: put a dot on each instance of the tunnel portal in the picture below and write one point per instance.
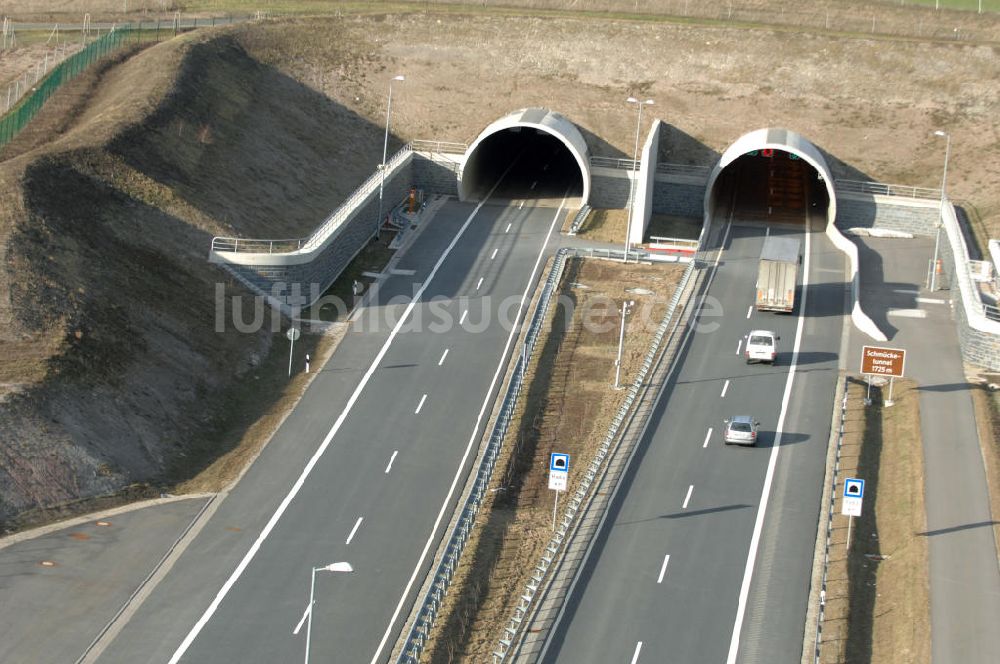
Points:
(533, 153)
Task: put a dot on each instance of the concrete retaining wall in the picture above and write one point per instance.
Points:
(609, 188)
(919, 217)
(679, 196)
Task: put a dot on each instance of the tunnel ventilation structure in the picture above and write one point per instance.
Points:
(532, 153)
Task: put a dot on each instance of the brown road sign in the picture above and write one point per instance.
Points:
(883, 361)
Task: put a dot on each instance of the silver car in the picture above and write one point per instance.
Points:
(741, 430)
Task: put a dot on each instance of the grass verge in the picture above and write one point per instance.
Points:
(987, 406)
(567, 407)
(878, 606)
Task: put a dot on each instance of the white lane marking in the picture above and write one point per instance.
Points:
(725, 388)
(931, 300)
(494, 254)
(663, 569)
(443, 355)
(908, 313)
(645, 427)
(302, 621)
(508, 227)
(480, 283)
(420, 405)
(687, 498)
(707, 437)
(767, 231)
(635, 655)
(534, 183)
(739, 347)
(354, 530)
(391, 459)
(473, 438)
(545, 167)
(749, 311)
(521, 205)
(464, 314)
(734, 643)
(906, 291)
(300, 482)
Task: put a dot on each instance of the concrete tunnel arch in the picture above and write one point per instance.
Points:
(505, 139)
(784, 140)
(793, 143)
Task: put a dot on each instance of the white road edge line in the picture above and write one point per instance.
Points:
(749, 311)
(739, 347)
(725, 388)
(354, 530)
(635, 655)
(443, 355)
(663, 569)
(305, 614)
(645, 427)
(391, 459)
(741, 607)
(300, 482)
(687, 498)
(420, 405)
(708, 436)
(472, 438)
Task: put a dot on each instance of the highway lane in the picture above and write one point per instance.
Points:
(662, 583)
(375, 495)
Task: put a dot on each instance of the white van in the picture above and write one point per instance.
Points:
(762, 346)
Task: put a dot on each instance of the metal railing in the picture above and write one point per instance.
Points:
(829, 521)
(343, 211)
(701, 172)
(552, 550)
(683, 244)
(448, 565)
(881, 189)
(612, 162)
(581, 216)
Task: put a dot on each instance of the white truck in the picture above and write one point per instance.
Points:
(776, 274)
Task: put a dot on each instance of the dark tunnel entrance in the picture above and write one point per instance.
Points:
(528, 163)
(772, 186)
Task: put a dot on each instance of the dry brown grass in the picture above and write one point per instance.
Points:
(987, 405)
(878, 607)
(603, 225)
(567, 407)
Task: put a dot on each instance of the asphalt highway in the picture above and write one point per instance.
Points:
(688, 566)
(365, 470)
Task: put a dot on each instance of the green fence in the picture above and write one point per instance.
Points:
(26, 108)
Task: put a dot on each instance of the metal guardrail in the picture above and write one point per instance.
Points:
(448, 565)
(581, 216)
(684, 169)
(676, 241)
(829, 522)
(343, 211)
(552, 550)
(880, 189)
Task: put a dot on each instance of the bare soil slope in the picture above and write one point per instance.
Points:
(116, 364)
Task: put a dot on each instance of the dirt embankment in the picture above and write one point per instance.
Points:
(118, 365)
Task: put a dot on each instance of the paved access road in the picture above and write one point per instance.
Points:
(385, 433)
(663, 580)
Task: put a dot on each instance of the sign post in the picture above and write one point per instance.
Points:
(854, 492)
(558, 478)
(292, 334)
(877, 361)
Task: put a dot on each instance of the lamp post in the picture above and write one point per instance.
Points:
(635, 157)
(332, 567)
(944, 184)
(626, 308)
(385, 148)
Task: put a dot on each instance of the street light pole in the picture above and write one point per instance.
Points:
(332, 567)
(626, 308)
(385, 148)
(635, 157)
(944, 184)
